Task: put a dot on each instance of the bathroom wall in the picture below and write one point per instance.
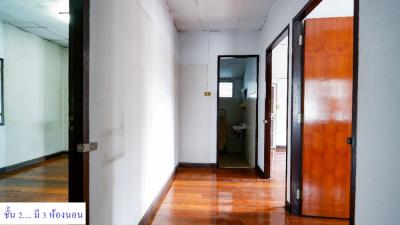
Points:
(234, 114)
(250, 112)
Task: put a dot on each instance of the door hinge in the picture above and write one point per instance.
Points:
(300, 118)
(88, 147)
(300, 39)
(298, 194)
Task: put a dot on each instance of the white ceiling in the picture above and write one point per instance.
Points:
(219, 14)
(39, 17)
(233, 68)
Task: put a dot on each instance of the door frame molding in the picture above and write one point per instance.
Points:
(297, 95)
(2, 119)
(257, 78)
(78, 163)
(268, 81)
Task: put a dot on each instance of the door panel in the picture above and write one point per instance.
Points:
(327, 105)
(267, 116)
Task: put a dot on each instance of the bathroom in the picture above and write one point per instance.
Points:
(237, 107)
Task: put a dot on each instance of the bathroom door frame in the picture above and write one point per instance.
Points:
(217, 96)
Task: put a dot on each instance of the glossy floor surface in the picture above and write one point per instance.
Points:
(43, 182)
(230, 196)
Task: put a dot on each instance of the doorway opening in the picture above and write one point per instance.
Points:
(276, 105)
(276, 114)
(237, 111)
(324, 109)
(34, 131)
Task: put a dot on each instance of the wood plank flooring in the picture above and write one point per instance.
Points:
(43, 182)
(230, 196)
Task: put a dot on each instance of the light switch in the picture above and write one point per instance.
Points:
(207, 93)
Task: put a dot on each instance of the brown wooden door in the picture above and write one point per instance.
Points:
(327, 105)
(78, 174)
(267, 115)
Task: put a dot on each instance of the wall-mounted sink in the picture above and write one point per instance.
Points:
(239, 128)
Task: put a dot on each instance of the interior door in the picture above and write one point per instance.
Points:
(327, 107)
(267, 115)
(79, 102)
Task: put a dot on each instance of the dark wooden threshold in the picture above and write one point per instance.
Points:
(30, 162)
(260, 172)
(155, 205)
(197, 165)
(287, 206)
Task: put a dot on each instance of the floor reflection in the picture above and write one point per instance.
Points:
(231, 196)
(44, 182)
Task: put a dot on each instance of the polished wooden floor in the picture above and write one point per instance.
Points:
(230, 196)
(43, 182)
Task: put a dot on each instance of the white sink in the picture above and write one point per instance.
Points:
(239, 128)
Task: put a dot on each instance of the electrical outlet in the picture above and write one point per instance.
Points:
(207, 93)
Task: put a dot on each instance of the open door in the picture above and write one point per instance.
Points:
(79, 103)
(327, 125)
(276, 101)
(267, 116)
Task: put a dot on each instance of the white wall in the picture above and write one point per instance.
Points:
(279, 76)
(198, 72)
(133, 107)
(333, 8)
(35, 94)
(250, 83)
(378, 179)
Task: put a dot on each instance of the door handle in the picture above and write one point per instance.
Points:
(265, 121)
(350, 141)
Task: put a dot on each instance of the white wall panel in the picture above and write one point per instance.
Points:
(198, 72)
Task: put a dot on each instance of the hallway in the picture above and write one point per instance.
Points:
(200, 112)
(230, 196)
